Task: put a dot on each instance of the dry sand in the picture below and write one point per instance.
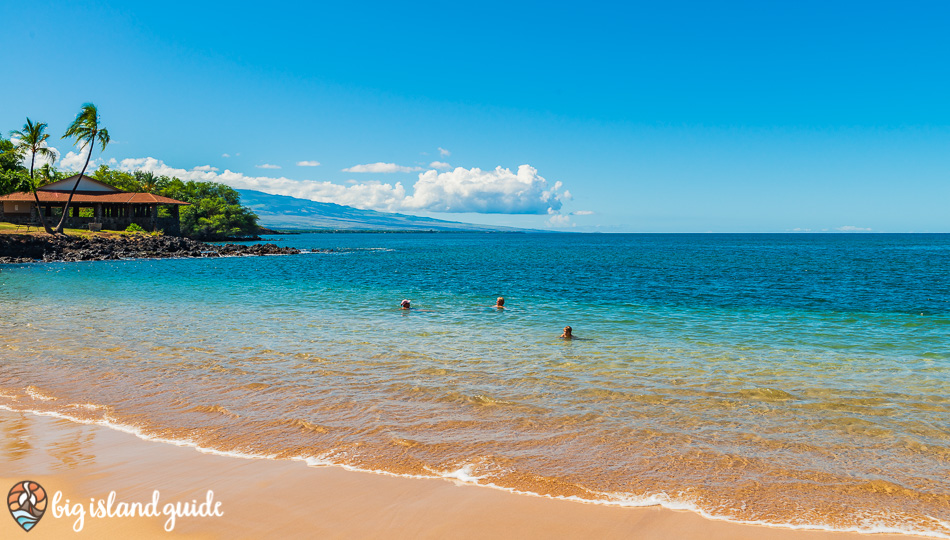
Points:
(285, 499)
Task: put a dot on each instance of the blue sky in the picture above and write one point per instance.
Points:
(642, 117)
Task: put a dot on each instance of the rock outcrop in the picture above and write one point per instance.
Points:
(26, 248)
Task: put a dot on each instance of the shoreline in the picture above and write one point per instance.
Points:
(265, 497)
(24, 248)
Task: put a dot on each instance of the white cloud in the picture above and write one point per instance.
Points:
(74, 161)
(225, 155)
(440, 165)
(380, 167)
(582, 212)
(376, 196)
(852, 228)
(443, 152)
(558, 219)
(308, 163)
(462, 190)
(205, 168)
(489, 192)
(267, 166)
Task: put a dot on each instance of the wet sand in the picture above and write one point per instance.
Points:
(273, 499)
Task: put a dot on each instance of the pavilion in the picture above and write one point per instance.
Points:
(112, 208)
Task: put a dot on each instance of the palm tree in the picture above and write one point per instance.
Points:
(48, 174)
(85, 128)
(148, 180)
(32, 140)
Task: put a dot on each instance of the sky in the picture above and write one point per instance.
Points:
(591, 117)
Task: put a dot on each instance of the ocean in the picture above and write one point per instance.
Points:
(792, 380)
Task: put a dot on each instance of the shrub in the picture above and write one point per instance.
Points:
(134, 229)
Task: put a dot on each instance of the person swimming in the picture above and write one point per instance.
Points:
(404, 304)
(567, 333)
(500, 303)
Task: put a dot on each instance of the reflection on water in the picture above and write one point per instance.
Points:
(22, 441)
(17, 440)
(788, 379)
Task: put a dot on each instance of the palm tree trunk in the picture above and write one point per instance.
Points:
(62, 220)
(39, 210)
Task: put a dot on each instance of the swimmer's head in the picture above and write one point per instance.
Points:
(404, 304)
(567, 331)
(500, 302)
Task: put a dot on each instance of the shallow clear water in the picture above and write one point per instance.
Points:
(787, 379)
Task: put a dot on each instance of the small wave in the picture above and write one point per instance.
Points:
(35, 393)
(465, 473)
(112, 423)
(305, 425)
(214, 409)
(255, 386)
(885, 487)
(87, 406)
(481, 400)
(407, 443)
(853, 426)
(766, 394)
(434, 371)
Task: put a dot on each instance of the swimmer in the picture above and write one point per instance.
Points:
(404, 304)
(500, 303)
(567, 333)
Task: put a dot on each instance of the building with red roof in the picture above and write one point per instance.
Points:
(112, 208)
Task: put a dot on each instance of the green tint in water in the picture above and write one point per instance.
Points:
(788, 379)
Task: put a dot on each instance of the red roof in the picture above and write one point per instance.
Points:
(90, 197)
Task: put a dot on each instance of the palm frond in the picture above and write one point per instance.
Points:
(47, 152)
(31, 140)
(86, 124)
(103, 137)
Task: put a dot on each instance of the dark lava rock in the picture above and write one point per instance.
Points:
(26, 248)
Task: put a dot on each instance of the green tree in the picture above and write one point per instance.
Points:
(148, 181)
(47, 174)
(32, 141)
(117, 179)
(87, 132)
(215, 210)
(11, 171)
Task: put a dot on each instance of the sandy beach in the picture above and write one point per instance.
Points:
(268, 499)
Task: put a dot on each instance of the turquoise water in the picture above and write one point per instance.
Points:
(787, 379)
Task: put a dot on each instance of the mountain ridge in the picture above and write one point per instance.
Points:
(283, 212)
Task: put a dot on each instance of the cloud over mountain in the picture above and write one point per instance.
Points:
(498, 191)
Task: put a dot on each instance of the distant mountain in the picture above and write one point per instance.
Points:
(283, 212)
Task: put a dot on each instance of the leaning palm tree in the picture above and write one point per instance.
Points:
(32, 140)
(85, 128)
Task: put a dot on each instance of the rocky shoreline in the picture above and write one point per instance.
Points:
(46, 248)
